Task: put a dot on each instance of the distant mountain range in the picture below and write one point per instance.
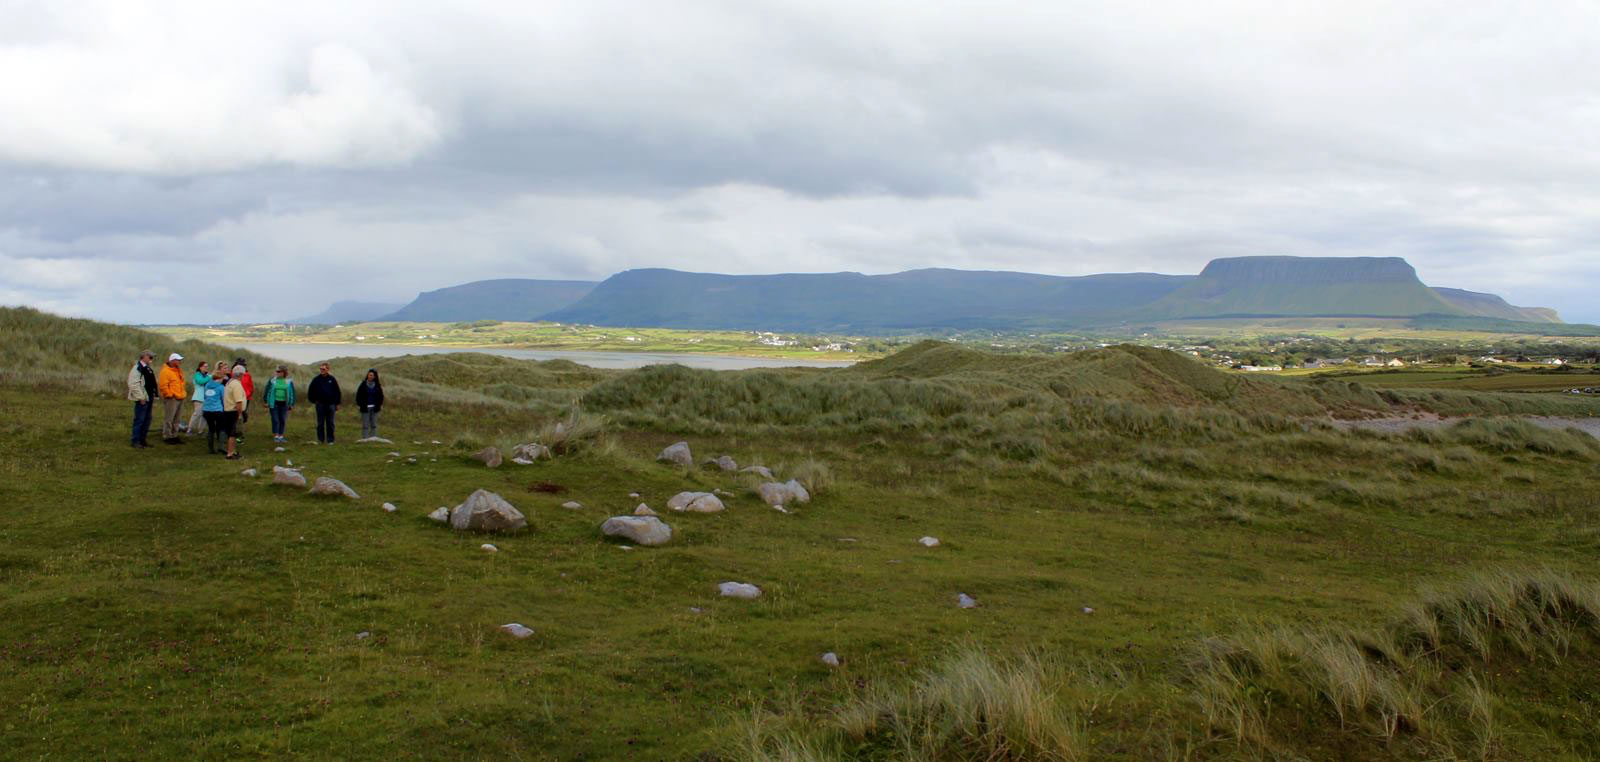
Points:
(939, 299)
(349, 312)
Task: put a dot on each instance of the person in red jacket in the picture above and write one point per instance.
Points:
(243, 374)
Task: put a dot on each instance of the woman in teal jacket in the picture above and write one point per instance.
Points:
(279, 399)
(202, 376)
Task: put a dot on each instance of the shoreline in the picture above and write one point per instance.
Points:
(539, 348)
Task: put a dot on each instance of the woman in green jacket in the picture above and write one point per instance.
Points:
(279, 399)
(202, 376)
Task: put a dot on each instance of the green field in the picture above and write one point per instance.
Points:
(1170, 562)
(1512, 379)
(494, 333)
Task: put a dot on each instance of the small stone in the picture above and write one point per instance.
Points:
(374, 440)
(440, 514)
(488, 548)
(288, 462)
(250, 472)
(327, 485)
(761, 471)
(831, 659)
(695, 502)
(695, 609)
(522, 461)
(572, 505)
(929, 542)
(780, 509)
(418, 441)
(435, 441)
(644, 510)
(739, 590)
(516, 630)
(624, 547)
(363, 635)
(726, 463)
(1088, 609)
(280, 449)
(848, 539)
(677, 453)
(390, 508)
(966, 601)
(633, 494)
(394, 454)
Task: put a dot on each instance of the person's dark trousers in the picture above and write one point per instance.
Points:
(324, 423)
(141, 423)
(214, 433)
(280, 416)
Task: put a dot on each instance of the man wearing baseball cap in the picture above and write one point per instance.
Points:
(173, 393)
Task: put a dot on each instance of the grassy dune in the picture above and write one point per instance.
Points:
(1262, 585)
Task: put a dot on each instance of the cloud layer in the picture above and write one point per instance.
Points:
(364, 150)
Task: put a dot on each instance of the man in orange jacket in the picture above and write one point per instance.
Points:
(173, 393)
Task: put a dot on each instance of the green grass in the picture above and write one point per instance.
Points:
(156, 604)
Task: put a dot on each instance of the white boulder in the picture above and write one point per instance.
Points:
(488, 548)
(516, 630)
(929, 542)
(739, 590)
(644, 530)
(966, 601)
(831, 659)
(677, 453)
(440, 514)
(390, 508)
(572, 505)
(327, 485)
(288, 476)
(250, 472)
(695, 502)
(484, 511)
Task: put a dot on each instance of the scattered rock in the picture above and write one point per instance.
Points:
(720, 492)
(787, 493)
(643, 510)
(516, 630)
(250, 472)
(280, 449)
(393, 454)
(572, 505)
(530, 452)
(761, 471)
(695, 610)
(739, 590)
(633, 494)
(433, 442)
(522, 461)
(288, 476)
(848, 539)
(780, 509)
(695, 502)
(327, 485)
(966, 601)
(1088, 609)
(363, 635)
(376, 440)
(485, 511)
(441, 515)
(489, 455)
(418, 441)
(677, 453)
(727, 463)
(929, 542)
(488, 548)
(644, 530)
(624, 547)
(831, 659)
(288, 462)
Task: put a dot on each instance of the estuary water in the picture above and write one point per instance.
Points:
(310, 353)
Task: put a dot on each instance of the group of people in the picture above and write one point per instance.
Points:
(222, 395)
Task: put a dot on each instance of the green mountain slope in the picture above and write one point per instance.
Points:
(918, 299)
(1303, 286)
(1489, 305)
(506, 299)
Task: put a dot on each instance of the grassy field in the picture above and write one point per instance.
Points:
(1499, 379)
(1170, 563)
(1357, 328)
(493, 333)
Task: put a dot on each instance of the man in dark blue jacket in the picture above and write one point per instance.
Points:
(323, 392)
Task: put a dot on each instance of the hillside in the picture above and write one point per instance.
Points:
(516, 299)
(348, 312)
(1491, 306)
(852, 302)
(1302, 286)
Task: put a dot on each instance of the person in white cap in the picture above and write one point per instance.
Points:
(173, 392)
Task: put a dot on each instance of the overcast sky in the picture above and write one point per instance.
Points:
(218, 162)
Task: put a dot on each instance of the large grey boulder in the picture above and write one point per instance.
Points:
(787, 493)
(489, 455)
(695, 502)
(677, 453)
(327, 485)
(288, 476)
(642, 530)
(484, 511)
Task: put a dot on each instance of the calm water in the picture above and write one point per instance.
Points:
(310, 353)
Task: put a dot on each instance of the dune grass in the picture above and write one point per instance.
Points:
(1130, 558)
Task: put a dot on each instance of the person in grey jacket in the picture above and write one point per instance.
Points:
(142, 393)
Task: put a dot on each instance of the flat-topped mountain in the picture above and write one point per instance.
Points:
(944, 299)
(917, 299)
(518, 299)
